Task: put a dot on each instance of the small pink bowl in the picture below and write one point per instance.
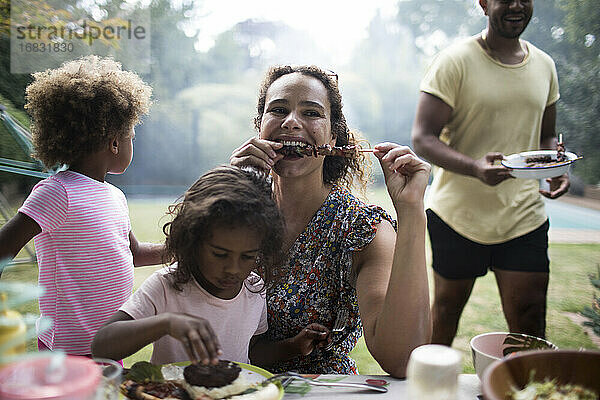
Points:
(77, 378)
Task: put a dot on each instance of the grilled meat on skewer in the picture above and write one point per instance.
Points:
(560, 149)
(344, 151)
(297, 150)
(547, 159)
(323, 150)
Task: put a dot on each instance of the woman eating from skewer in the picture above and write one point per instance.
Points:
(342, 253)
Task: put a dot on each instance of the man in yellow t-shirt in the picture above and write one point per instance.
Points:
(486, 97)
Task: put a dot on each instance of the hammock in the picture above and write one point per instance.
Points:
(35, 169)
(23, 137)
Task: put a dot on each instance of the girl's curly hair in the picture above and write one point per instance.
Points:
(335, 169)
(225, 196)
(80, 107)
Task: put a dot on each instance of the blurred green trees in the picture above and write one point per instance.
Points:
(569, 30)
(205, 101)
(581, 84)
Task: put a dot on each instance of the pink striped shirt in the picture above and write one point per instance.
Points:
(85, 263)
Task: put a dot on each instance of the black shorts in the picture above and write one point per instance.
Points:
(456, 257)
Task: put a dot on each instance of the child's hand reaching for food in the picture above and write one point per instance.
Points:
(313, 336)
(197, 336)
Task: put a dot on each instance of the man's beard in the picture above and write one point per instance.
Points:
(507, 33)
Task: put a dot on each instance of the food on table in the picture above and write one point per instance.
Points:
(302, 149)
(12, 331)
(551, 390)
(211, 376)
(143, 372)
(197, 382)
(215, 381)
(154, 390)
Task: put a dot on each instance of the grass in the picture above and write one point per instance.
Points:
(569, 290)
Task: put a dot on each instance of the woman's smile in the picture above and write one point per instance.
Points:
(297, 112)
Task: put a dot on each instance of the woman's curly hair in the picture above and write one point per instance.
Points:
(336, 170)
(229, 197)
(81, 106)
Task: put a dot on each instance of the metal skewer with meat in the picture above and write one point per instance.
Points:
(547, 159)
(303, 149)
(560, 150)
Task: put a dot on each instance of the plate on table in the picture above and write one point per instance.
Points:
(252, 375)
(522, 167)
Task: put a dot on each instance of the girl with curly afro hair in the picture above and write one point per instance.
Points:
(83, 117)
(79, 108)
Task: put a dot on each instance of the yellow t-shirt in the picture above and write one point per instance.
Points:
(495, 107)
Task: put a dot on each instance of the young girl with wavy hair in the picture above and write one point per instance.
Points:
(225, 237)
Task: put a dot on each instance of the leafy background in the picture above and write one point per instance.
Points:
(205, 100)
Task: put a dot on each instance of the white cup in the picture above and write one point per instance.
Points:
(432, 372)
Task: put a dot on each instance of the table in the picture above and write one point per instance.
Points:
(469, 388)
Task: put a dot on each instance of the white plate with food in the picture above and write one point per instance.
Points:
(538, 164)
(236, 381)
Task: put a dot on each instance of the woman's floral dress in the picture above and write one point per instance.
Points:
(320, 280)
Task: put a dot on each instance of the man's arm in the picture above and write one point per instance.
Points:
(145, 253)
(432, 115)
(548, 135)
(15, 234)
(558, 185)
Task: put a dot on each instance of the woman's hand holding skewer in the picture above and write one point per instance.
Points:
(258, 153)
(406, 175)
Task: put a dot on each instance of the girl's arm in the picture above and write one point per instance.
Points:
(392, 286)
(145, 253)
(263, 352)
(15, 234)
(122, 336)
